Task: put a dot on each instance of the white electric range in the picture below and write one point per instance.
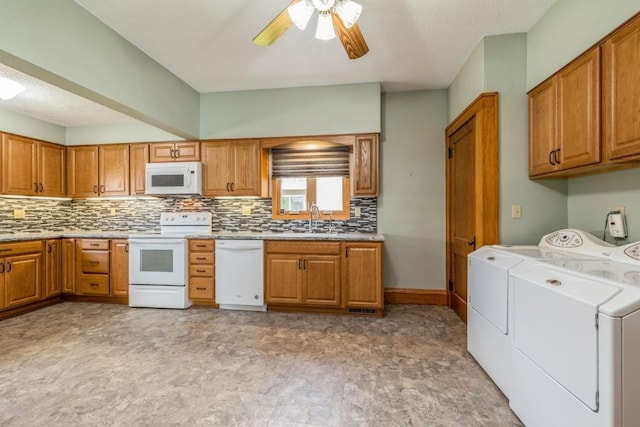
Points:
(157, 262)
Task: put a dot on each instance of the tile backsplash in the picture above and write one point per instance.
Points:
(143, 214)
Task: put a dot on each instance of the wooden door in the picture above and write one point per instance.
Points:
(365, 165)
(579, 112)
(542, 128)
(216, 168)
(621, 92)
(52, 268)
(51, 170)
(472, 191)
(161, 152)
(22, 279)
(138, 158)
(321, 283)
(19, 165)
(187, 151)
(68, 266)
(82, 171)
(283, 276)
(114, 170)
(245, 168)
(362, 278)
(119, 268)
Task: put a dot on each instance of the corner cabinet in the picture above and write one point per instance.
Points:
(232, 168)
(365, 166)
(32, 168)
(320, 276)
(94, 171)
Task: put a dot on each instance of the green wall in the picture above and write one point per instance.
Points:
(411, 205)
(28, 126)
(468, 83)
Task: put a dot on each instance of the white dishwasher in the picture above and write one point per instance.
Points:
(239, 267)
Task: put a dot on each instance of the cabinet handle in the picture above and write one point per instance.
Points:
(201, 289)
(304, 264)
(201, 246)
(227, 187)
(6, 250)
(41, 187)
(95, 189)
(346, 252)
(201, 271)
(200, 258)
(94, 262)
(94, 244)
(102, 188)
(299, 263)
(35, 187)
(176, 153)
(126, 248)
(556, 156)
(9, 265)
(2, 266)
(551, 157)
(233, 186)
(94, 285)
(49, 248)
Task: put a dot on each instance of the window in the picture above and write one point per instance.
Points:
(302, 177)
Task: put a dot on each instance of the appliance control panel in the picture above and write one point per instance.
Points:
(185, 218)
(563, 239)
(577, 242)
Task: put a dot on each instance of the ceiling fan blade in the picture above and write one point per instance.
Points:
(351, 38)
(275, 28)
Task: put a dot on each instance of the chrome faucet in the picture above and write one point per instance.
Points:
(313, 208)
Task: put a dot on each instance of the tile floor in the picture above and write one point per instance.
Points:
(82, 364)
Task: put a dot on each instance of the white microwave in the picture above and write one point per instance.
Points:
(173, 178)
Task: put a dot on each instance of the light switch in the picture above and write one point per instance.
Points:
(358, 212)
(516, 211)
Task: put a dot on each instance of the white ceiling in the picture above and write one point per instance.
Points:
(414, 44)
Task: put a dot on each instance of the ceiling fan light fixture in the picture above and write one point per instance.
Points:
(325, 30)
(323, 5)
(349, 11)
(9, 88)
(300, 13)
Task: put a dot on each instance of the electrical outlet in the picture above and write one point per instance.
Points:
(358, 212)
(112, 211)
(246, 210)
(18, 213)
(516, 211)
(620, 209)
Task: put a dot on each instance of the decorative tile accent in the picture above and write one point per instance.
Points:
(144, 215)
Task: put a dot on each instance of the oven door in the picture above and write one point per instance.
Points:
(157, 261)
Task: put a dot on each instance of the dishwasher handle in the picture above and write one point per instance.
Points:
(239, 245)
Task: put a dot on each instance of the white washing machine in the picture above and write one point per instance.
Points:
(488, 323)
(575, 341)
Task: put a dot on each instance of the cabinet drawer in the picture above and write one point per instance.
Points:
(94, 261)
(93, 284)
(97, 244)
(201, 288)
(296, 247)
(20, 247)
(201, 270)
(201, 258)
(201, 245)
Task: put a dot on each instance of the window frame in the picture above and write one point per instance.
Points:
(344, 214)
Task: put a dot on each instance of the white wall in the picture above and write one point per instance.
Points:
(411, 205)
(322, 110)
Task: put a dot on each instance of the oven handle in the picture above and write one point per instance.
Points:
(162, 241)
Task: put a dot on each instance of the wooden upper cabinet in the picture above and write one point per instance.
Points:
(621, 93)
(31, 167)
(187, 151)
(231, 168)
(564, 118)
(98, 170)
(138, 158)
(365, 166)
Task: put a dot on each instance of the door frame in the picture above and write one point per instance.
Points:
(485, 111)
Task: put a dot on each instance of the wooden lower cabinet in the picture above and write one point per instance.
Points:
(21, 273)
(324, 276)
(202, 271)
(52, 268)
(101, 269)
(119, 267)
(68, 266)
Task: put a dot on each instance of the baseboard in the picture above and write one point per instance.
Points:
(415, 296)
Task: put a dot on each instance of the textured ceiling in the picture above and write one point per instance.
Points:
(414, 44)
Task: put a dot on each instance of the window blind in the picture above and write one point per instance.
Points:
(287, 162)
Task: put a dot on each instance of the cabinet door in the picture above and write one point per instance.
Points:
(542, 127)
(19, 165)
(188, 151)
(22, 279)
(216, 168)
(363, 275)
(114, 170)
(52, 268)
(621, 92)
(69, 266)
(119, 269)
(322, 280)
(365, 165)
(246, 168)
(283, 277)
(82, 171)
(139, 157)
(579, 111)
(161, 152)
(51, 170)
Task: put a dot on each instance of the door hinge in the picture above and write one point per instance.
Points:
(597, 321)
(450, 285)
(450, 152)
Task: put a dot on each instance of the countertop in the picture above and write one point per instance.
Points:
(220, 235)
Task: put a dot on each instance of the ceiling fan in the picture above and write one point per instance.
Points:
(335, 18)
